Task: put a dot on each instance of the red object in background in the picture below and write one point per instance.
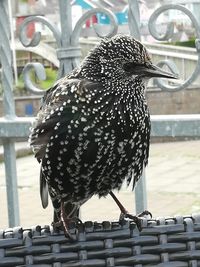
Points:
(30, 28)
(91, 21)
(94, 19)
(87, 23)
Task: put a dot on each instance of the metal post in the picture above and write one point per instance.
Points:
(9, 111)
(65, 21)
(141, 194)
(134, 26)
(66, 31)
(11, 182)
(13, 42)
(134, 18)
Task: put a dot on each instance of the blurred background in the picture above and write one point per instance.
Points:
(173, 173)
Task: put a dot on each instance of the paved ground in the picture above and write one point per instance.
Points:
(173, 187)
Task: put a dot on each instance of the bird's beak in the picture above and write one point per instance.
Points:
(148, 70)
(152, 70)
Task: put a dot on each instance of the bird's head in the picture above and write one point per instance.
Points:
(121, 57)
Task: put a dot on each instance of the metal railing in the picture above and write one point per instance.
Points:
(68, 53)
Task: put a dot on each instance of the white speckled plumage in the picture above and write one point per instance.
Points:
(92, 131)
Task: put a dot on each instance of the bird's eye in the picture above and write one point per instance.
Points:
(130, 66)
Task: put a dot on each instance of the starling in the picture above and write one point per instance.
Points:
(93, 128)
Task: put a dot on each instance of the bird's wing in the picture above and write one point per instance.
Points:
(61, 104)
(142, 152)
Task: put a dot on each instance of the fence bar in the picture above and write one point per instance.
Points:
(141, 194)
(11, 182)
(9, 111)
(134, 26)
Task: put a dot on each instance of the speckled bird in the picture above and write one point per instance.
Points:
(93, 129)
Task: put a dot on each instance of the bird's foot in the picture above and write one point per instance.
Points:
(64, 224)
(136, 218)
(57, 225)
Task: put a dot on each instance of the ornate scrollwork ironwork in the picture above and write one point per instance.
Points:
(36, 38)
(40, 74)
(167, 35)
(77, 29)
(69, 56)
(34, 41)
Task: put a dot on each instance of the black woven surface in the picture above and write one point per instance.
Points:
(163, 242)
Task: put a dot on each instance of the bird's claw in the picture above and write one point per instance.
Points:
(76, 220)
(57, 225)
(145, 213)
(63, 225)
(136, 218)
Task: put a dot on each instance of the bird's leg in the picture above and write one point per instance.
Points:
(65, 220)
(125, 214)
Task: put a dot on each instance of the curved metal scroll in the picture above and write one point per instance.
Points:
(168, 34)
(77, 29)
(70, 54)
(113, 21)
(40, 74)
(34, 41)
(36, 38)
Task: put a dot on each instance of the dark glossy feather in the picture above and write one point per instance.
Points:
(92, 131)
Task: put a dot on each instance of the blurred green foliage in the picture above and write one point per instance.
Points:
(51, 75)
(189, 43)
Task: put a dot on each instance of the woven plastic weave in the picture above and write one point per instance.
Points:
(163, 242)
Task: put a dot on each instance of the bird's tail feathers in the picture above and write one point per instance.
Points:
(43, 190)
